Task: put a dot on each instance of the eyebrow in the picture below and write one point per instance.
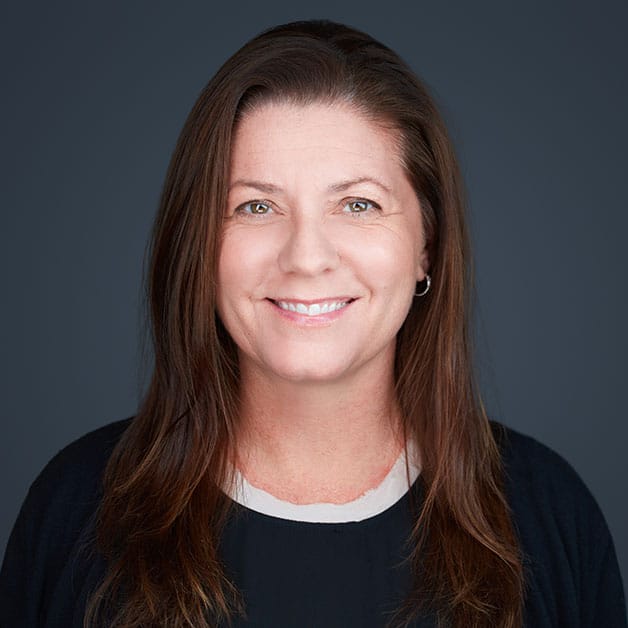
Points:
(341, 186)
(267, 188)
(344, 185)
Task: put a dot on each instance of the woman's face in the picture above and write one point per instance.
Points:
(322, 243)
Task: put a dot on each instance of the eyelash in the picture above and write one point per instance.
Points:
(241, 209)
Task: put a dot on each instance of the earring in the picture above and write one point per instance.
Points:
(428, 281)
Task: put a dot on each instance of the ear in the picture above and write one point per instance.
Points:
(423, 264)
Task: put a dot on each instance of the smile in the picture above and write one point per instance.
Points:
(313, 308)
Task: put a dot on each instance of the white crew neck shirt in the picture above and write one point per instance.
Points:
(374, 501)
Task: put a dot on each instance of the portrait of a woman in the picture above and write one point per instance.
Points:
(313, 449)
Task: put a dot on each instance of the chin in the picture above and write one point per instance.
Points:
(310, 373)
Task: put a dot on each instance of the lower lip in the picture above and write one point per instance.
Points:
(304, 319)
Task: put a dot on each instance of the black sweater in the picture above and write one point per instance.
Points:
(297, 574)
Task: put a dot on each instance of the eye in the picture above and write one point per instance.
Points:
(254, 208)
(360, 206)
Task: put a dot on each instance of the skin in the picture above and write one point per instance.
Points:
(319, 209)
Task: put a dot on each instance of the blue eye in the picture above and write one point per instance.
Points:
(255, 208)
(359, 206)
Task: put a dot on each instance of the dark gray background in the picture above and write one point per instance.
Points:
(94, 96)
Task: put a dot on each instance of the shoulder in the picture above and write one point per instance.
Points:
(47, 564)
(81, 463)
(571, 567)
(536, 474)
(89, 451)
(519, 449)
(66, 492)
(542, 486)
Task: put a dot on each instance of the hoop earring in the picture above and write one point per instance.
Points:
(428, 281)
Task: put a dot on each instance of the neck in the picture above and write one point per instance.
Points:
(317, 441)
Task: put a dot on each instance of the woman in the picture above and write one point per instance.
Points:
(312, 450)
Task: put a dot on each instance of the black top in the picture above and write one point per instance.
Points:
(296, 574)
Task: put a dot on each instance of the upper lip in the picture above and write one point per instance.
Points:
(312, 301)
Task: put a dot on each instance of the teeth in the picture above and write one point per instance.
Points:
(312, 310)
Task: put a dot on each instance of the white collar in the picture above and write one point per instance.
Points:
(392, 488)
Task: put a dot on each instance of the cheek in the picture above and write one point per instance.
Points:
(241, 262)
(228, 268)
(225, 280)
(233, 285)
(386, 258)
(230, 277)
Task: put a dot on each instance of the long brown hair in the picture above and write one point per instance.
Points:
(163, 510)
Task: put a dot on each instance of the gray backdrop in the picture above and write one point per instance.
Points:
(93, 98)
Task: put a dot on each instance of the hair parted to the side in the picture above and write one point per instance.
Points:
(163, 510)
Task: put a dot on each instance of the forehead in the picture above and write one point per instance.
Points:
(284, 141)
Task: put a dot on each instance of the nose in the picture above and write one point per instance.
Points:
(308, 249)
